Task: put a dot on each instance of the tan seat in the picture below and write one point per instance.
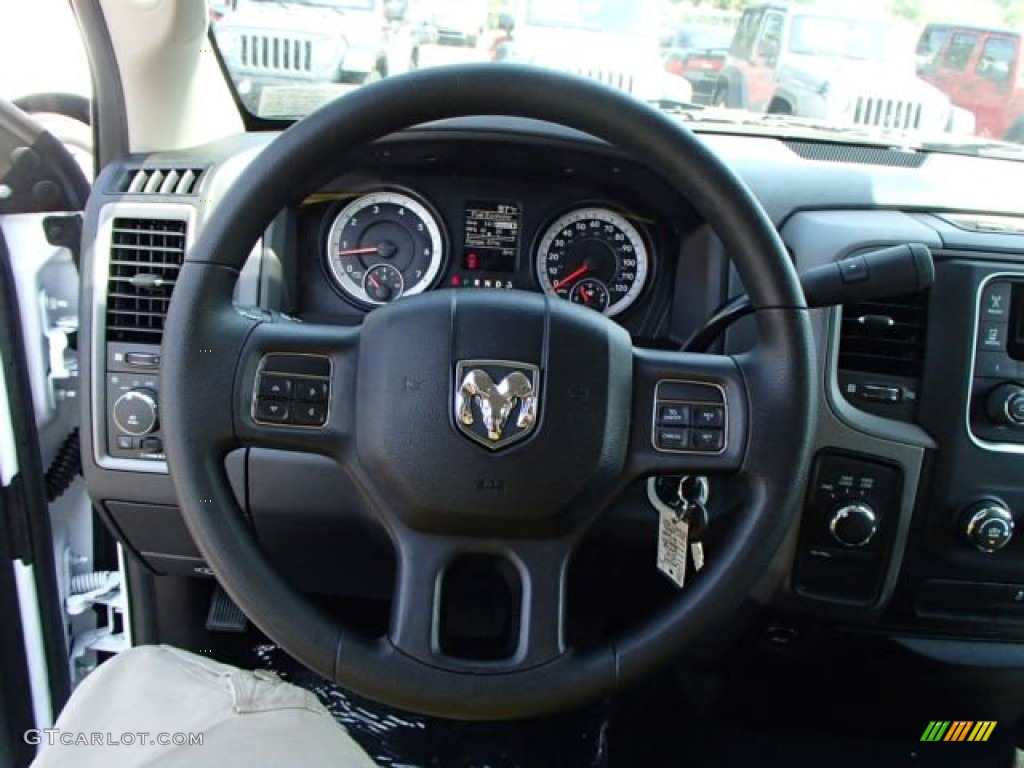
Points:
(154, 694)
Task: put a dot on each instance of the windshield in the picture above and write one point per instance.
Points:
(905, 73)
(615, 17)
(848, 38)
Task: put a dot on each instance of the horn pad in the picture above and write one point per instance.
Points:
(476, 409)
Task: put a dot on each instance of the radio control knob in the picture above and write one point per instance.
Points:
(1005, 405)
(988, 525)
(853, 524)
(135, 412)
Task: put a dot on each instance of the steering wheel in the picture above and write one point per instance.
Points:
(392, 420)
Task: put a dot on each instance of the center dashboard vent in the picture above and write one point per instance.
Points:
(145, 258)
(885, 337)
(159, 181)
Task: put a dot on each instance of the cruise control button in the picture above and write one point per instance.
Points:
(275, 411)
(314, 391)
(674, 415)
(708, 416)
(275, 386)
(708, 439)
(309, 414)
(673, 439)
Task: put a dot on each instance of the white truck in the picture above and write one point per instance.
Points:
(614, 41)
(816, 62)
(280, 52)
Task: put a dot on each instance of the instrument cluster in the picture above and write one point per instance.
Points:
(383, 244)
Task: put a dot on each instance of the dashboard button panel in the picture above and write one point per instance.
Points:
(698, 405)
(292, 390)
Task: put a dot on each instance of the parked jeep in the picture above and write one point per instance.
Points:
(275, 47)
(980, 70)
(820, 64)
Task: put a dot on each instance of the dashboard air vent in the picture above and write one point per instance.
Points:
(853, 153)
(160, 181)
(145, 258)
(885, 337)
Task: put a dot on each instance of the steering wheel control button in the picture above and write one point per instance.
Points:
(853, 525)
(275, 386)
(988, 525)
(135, 412)
(707, 440)
(674, 416)
(700, 406)
(673, 439)
(308, 414)
(709, 416)
(313, 391)
(293, 390)
(272, 411)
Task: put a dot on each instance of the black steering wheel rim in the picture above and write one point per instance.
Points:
(205, 338)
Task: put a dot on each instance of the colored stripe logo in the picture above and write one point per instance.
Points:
(958, 730)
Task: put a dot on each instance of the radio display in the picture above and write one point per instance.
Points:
(1015, 337)
(491, 237)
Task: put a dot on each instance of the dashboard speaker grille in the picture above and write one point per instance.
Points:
(885, 337)
(864, 155)
(145, 258)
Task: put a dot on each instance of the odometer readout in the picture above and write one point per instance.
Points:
(491, 237)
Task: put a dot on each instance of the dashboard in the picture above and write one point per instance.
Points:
(911, 517)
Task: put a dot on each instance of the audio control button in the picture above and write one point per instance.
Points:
(992, 336)
(996, 302)
(272, 411)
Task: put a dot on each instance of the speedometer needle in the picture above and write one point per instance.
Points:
(570, 277)
(358, 251)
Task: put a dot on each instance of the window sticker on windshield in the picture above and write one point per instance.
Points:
(297, 100)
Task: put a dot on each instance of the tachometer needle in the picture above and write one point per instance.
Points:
(358, 251)
(570, 277)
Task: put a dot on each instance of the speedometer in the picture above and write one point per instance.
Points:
(595, 257)
(384, 245)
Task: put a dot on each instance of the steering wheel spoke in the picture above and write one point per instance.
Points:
(690, 414)
(294, 387)
(484, 606)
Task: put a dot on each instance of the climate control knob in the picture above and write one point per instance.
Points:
(988, 525)
(1005, 405)
(135, 412)
(853, 524)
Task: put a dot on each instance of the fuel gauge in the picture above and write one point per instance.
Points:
(590, 293)
(383, 283)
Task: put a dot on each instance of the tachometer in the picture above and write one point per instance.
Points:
(384, 245)
(595, 257)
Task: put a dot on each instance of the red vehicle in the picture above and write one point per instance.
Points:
(980, 69)
(698, 53)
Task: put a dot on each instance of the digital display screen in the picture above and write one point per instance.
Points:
(492, 237)
(1015, 340)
